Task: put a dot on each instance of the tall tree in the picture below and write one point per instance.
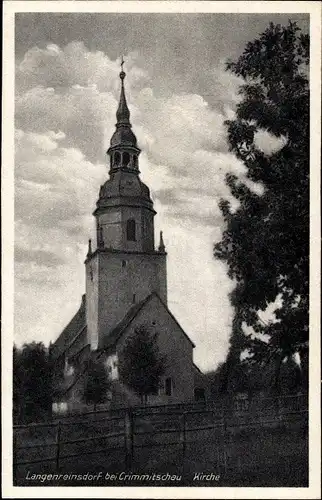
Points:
(97, 382)
(266, 239)
(141, 365)
(32, 382)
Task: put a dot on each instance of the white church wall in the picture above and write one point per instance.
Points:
(111, 364)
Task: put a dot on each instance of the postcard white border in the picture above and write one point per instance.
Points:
(10, 8)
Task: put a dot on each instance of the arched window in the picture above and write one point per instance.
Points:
(126, 159)
(130, 230)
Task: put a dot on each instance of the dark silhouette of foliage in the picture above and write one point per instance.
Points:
(97, 382)
(247, 377)
(266, 240)
(32, 383)
(290, 377)
(141, 365)
(230, 376)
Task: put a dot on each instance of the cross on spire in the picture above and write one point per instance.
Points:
(122, 74)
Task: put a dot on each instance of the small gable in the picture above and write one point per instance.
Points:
(151, 311)
(155, 315)
(160, 308)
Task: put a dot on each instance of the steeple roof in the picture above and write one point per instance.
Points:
(123, 135)
(123, 112)
(124, 182)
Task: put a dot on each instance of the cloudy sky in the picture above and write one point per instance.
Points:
(179, 95)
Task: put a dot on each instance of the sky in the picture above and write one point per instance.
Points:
(179, 95)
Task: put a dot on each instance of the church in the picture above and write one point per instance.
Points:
(126, 284)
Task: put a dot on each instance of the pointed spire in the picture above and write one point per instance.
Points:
(161, 244)
(123, 113)
(123, 135)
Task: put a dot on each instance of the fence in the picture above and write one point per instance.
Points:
(176, 438)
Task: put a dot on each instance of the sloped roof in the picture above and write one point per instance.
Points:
(77, 327)
(112, 338)
(176, 321)
(197, 369)
(72, 331)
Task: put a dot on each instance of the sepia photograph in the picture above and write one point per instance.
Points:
(161, 279)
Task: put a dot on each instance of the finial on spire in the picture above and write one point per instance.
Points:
(161, 244)
(122, 74)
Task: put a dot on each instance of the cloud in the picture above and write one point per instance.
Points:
(74, 90)
(55, 191)
(53, 183)
(41, 257)
(269, 143)
(72, 65)
(185, 123)
(194, 196)
(82, 113)
(226, 86)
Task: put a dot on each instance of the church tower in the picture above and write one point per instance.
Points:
(124, 267)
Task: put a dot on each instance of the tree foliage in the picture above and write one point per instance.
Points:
(266, 239)
(140, 364)
(32, 382)
(246, 377)
(97, 382)
(218, 379)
